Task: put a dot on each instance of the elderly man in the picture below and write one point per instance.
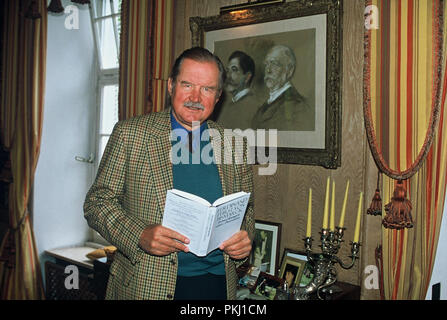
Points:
(240, 103)
(126, 202)
(285, 109)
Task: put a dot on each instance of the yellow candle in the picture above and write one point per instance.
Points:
(326, 206)
(357, 223)
(343, 209)
(332, 220)
(309, 215)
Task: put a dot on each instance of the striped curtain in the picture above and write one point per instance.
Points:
(145, 55)
(163, 48)
(23, 63)
(405, 79)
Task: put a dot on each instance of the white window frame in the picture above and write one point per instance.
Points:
(105, 76)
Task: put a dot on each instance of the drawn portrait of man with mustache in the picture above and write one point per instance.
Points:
(240, 101)
(285, 108)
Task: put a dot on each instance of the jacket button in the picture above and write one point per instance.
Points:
(169, 296)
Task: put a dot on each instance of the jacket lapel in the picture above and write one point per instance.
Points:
(159, 147)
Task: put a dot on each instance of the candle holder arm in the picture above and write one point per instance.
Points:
(355, 250)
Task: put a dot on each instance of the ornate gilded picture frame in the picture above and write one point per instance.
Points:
(308, 121)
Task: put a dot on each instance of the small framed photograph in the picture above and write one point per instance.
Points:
(292, 270)
(268, 285)
(294, 254)
(265, 248)
(306, 272)
(248, 277)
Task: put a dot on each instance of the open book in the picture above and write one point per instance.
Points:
(206, 225)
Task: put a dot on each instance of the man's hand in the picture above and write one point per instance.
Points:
(161, 241)
(238, 246)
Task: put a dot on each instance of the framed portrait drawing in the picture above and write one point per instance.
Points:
(265, 247)
(289, 61)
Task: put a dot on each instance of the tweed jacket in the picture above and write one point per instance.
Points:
(129, 194)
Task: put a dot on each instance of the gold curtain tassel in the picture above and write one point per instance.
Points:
(398, 211)
(375, 208)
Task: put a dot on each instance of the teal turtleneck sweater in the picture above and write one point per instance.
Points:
(202, 180)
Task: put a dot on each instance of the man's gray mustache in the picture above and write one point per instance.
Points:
(196, 105)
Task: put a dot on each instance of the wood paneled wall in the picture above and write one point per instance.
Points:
(283, 197)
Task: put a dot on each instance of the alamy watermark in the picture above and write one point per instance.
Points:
(372, 277)
(72, 280)
(371, 17)
(261, 145)
(72, 17)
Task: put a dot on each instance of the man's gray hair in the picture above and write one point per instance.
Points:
(288, 53)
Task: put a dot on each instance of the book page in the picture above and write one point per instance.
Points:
(228, 198)
(186, 217)
(190, 196)
(228, 220)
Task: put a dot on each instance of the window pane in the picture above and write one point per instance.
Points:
(118, 27)
(117, 6)
(102, 145)
(98, 7)
(107, 44)
(109, 114)
(102, 7)
(106, 8)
